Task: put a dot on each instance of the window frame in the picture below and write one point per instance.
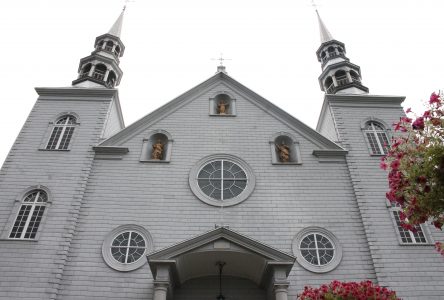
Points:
(18, 202)
(107, 244)
(193, 180)
(51, 127)
(374, 132)
(394, 208)
(337, 255)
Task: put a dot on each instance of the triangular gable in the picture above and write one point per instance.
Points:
(244, 257)
(304, 130)
(231, 236)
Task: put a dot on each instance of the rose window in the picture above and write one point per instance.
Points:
(222, 179)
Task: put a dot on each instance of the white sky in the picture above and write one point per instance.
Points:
(169, 45)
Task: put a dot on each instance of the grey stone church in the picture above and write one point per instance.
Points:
(218, 194)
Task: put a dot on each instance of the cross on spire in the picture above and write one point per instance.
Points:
(221, 59)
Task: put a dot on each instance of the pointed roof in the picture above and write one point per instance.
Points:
(325, 34)
(116, 29)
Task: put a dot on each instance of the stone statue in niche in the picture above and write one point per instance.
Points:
(284, 152)
(157, 152)
(222, 107)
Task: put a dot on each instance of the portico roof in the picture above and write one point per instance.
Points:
(244, 257)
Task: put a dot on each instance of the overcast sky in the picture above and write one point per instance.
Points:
(398, 44)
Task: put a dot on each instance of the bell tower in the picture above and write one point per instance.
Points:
(101, 68)
(339, 75)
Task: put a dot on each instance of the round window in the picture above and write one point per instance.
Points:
(222, 180)
(128, 247)
(124, 248)
(317, 249)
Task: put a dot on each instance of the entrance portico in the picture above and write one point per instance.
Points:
(246, 260)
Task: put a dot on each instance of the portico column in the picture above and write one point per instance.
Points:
(281, 291)
(160, 290)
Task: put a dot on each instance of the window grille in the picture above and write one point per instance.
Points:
(317, 249)
(30, 215)
(128, 247)
(407, 236)
(222, 179)
(62, 133)
(377, 138)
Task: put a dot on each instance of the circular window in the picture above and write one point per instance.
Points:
(124, 248)
(128, 247)
(317, 249)
(222, 180)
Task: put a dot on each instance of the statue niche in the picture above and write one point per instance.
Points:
(284, 149)
(156, 147)
(222, 105)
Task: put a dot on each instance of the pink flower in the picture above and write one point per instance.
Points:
(434, 98)
(418, 124)
(395, 164)
(409, 110)
(427, 114)
(383, 165)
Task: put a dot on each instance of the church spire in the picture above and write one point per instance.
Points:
(325, 34)
(116, 29)
(101, 67)
(339, 75)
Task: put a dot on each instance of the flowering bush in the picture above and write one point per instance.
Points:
(337, 290)
(415, 162)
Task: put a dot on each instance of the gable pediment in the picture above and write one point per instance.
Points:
(320, 142)
(197, 257)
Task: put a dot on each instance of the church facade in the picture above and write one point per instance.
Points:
(218, 194)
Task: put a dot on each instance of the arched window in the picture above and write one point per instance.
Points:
(30, 215)
(331, 51)
(117, 50)
(354, 76)
(99, 71)
(109, 46)
(85, 70)
(100, 45)
(62, 133)
(341, 77)
(340, 50)
(111, 80)
(377, 138)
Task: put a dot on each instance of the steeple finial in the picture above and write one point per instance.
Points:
(325, 34)
(116, 29)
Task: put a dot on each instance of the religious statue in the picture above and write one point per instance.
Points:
(222, 107)
(157, 152)
(284, 152)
